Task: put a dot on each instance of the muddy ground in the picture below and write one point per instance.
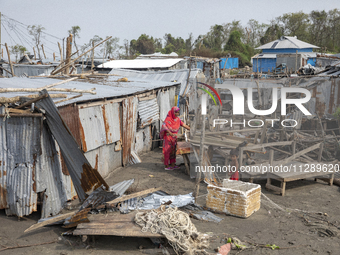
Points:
(294, 233)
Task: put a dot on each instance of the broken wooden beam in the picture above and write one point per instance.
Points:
(298, 154)
(5, 90)
(58, 83)
(72, 61)
(4, 100)
(49, 221)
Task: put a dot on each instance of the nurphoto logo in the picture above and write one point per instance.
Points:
(238, 105)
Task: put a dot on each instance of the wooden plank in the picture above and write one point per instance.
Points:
(231, 131)
(127, 229)
(274, 188)
(114, 217)
(52, 220)
(264, 145)
(137, 194)
(320, 152)
(293, 176)
(298, 154)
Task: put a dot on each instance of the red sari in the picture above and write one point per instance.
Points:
(170, 124)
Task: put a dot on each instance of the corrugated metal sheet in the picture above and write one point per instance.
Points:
(23, 146)
(50, 179)
(21, 198)
(102, 118)
(179, 76)
(30, 70)
(30, 164)
(91, 118)
(148, 112)
(105, 158)
(143, 140)
(287, 42)
(70, 115)
(84, 177)
(121, 187)
(111, 122)
(163, 99)
(129, 123)
(105, 88)
(141, 63)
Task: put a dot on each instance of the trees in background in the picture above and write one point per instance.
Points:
(36, 32)
(18, 50)
(75, 31)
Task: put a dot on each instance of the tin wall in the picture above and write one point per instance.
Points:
(148, 112)
(29, 165)
(129, 124)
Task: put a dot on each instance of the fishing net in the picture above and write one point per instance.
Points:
(176, 226)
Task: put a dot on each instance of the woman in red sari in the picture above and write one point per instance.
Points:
(168, 133)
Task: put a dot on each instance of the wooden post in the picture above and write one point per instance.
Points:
(9, 59)
(199, 174)
(61, 52)
(42, 47)
(72, 61)
(68, 53)
(35, 56)
(271, 157)
(320, 152)
(240, 158)
(296, 61)
(53, 56)
(92, 57)
(264, 131)
(294, 147)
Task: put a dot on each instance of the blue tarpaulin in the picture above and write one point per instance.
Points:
(311, 61)
(231, 63)
(265, 64)
(200, 65)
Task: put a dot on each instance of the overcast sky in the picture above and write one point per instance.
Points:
(127, 19)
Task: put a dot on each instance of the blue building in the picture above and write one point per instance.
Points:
(288, 48)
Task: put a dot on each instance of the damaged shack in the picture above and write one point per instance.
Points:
(112, 119)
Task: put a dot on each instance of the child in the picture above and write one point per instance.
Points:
(234, 165)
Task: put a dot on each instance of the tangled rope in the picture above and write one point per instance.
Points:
(176, 226)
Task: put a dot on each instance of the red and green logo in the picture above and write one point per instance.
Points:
(209, 93)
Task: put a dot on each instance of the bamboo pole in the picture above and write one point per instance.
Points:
(92, 57)
(5, 90)
(61, 63)
(35, 56)
(27, 57)
(61, 53)
(9, 60)
(58, 83)
(4, 100)
(67, 99)
(42, 47)
(6, 70)
(61, 69)
(199, 174)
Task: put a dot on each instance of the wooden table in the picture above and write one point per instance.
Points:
(299, 171)
(183, 148)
